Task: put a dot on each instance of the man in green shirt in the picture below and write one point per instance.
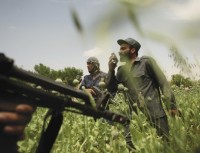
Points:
(143, 78)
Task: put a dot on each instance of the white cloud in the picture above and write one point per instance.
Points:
(186, 11)
(12, 27)
(93, 52)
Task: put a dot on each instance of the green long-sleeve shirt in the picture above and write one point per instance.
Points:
(144, 78)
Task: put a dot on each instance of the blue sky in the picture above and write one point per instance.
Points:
(42, 31)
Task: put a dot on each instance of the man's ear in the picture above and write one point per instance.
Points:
(132, 50)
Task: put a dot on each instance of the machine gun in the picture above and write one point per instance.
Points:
(16, 85)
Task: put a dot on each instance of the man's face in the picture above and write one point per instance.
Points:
(124, 52)
(90, 66)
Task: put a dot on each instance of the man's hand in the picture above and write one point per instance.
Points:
(91, 91)
(173, 112)
(13, 121)
(112, 63)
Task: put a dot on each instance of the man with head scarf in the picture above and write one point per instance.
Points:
(91, 82)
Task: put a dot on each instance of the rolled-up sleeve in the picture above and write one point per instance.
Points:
(111, 82)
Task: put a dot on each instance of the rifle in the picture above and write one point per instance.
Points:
(16, 85)
(102, 98)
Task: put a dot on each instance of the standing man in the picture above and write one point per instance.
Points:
(143, 77)
(91, 82)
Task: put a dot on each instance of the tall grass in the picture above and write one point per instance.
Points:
(81, 134)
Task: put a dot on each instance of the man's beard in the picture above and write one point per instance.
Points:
(93, 70)
(124, 57)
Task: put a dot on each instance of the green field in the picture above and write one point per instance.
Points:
(81, 134)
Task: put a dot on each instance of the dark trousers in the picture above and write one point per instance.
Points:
(162, 127)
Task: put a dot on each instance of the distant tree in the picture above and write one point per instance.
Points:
(70, 73)
(188, 82)
(67, 75)
(179, 80)
(42, 70)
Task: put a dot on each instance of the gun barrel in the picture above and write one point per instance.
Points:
(8, 69)
(49, 84)
(11, 90)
